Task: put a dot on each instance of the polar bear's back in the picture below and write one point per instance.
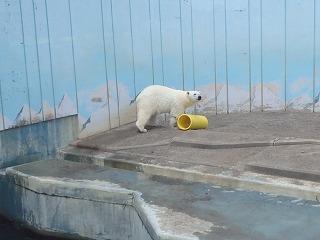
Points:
(157, 90)
(159, 97)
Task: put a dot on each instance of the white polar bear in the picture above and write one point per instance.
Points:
(159, 99)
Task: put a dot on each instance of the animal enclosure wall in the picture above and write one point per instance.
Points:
(92, 57)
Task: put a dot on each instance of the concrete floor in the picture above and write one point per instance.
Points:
(248, 176)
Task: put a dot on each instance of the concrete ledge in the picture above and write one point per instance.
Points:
(177, 143)
(190, 143)
(83, 201)
(295, 174)
(200, 173)
(84, 204)
(80, 209)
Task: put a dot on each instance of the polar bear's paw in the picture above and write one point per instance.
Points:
(143, 130)
(141, 127)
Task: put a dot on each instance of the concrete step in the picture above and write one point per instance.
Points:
(297, 162)
(248, 150)
(230, 167)
(87, 201)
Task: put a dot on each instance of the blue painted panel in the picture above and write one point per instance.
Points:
(90, 65)
(1, 112)
(60, 38)
(32, 63)
(156, 33)
(111, 64)
(316, 74)
(171, 43)
(200, 65)
(299, 74)
(142, 49)
(123, 60)
(255, 55)
(238, 55)
(220, 56)
(187, 36)
(14, 87)
(2, 33)
(273, 54)
(203, 37)
(45, 64)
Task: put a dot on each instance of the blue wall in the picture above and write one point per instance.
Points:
(92, 57)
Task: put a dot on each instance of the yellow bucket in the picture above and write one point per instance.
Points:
(188, 121)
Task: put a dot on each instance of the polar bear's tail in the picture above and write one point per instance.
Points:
(135, 98)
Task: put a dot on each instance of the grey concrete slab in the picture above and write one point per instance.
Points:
(127, 137)
(225, 159)
(282, 124)
(299, 162)
(228, 151)
(229, 175)
(174, 208)
(210, 139)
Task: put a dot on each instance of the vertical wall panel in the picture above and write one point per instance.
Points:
(156, 33)
(273, 54)
(142, 49)
(202, 43)
(255, 24)
(3, 32)
(90, 66)
(44, 59)
(32, 63)
(220, 51)
(316, 55)
(202, 54)
(14, 85)
(299, 75)
(238, 52)
(187, 43)
(171, 43)
(62, 57)
(107, 17)
(123, 59)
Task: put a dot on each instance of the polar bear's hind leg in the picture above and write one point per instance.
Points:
(142, 120)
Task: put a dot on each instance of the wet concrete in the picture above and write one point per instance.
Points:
(179, 209)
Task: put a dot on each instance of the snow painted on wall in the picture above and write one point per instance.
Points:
(101, 105)
(93, 57)
(27, 115)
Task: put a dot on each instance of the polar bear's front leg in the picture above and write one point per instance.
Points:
(175, 113)
(174, 116)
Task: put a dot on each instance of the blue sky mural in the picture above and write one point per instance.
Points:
(92, 58)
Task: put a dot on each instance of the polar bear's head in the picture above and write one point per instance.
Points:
(194, 95)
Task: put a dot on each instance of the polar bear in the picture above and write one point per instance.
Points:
(158, 99)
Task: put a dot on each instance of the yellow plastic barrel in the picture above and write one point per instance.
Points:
(189, 121)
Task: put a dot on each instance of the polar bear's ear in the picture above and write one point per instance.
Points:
(188, 93)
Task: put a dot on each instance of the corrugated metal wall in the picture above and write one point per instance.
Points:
(92, 57)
